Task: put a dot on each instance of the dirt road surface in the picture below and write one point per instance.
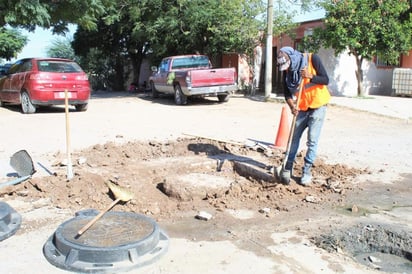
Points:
(179, 161)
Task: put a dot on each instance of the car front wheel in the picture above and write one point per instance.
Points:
(26, 106)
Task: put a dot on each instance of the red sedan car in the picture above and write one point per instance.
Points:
(34, 82)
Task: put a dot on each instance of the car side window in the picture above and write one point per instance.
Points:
(15, 67)
(26, 66)
(164, 65)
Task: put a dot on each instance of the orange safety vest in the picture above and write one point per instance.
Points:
(313, 95)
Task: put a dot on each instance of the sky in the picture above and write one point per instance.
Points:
(313, 15)
(39, 41)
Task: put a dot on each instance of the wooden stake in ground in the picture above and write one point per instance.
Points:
(69, 158)
(119, 193)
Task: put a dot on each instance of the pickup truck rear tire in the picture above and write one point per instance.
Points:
(180, 98)
(155, 94)
(223, 97)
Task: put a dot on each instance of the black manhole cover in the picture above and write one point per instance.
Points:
(119, 241)
(10, 221)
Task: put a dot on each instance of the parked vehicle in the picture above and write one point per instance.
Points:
(192, 75)
(4, 68)
(35, 82)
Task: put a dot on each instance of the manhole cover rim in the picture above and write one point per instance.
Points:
(77, 257)
(11, 219)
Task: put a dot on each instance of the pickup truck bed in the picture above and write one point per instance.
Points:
(192, 75)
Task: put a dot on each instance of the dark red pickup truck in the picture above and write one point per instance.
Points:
(192, 75)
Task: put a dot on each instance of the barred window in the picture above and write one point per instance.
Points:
(381, 61)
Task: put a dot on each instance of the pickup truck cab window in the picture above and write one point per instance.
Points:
(191, 62)
(164, 65)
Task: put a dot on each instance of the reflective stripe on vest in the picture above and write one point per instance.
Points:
(313, 95)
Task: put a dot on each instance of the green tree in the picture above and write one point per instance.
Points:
(11, 42)
(61, 48)
(366, 29)
(120, 38)
(135, 29)
(111, 48)
(207, 27)
(53, 14)
(99, 68)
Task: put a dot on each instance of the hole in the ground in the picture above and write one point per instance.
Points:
(380, 246)
(172, 177)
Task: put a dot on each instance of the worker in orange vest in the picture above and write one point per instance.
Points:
(310, 110)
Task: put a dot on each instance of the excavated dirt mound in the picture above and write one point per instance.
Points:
(170, 179)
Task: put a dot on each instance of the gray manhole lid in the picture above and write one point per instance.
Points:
(10, 221)
(119, 241)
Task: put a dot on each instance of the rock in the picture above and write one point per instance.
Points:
(63, 162)
(355, 209)
(250, 144)
(195, 186)
(81, 160)
(265, 210)
(297, 191)
(311, 199)
(373, 259)
(203, 215)
(374, 266)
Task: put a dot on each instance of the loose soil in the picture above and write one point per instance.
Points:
(172, 181)
(152, 170)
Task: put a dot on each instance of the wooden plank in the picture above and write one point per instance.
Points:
(214, 139)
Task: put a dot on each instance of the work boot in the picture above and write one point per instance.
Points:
(306, 178)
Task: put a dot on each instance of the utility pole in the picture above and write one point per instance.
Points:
(269, 57)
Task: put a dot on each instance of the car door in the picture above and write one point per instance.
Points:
(3, 88)
(6, 81)
(18, 79)
(160, 78)
(8, 88)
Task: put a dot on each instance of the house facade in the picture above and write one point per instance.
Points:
(377, 78)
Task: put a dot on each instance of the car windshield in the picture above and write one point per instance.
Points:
(190, 62)
(58, 66)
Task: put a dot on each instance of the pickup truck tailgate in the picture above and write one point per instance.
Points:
(213, 77)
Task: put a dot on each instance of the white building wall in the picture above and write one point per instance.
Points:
(377, 81)
(145, 72)
(342, 77)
